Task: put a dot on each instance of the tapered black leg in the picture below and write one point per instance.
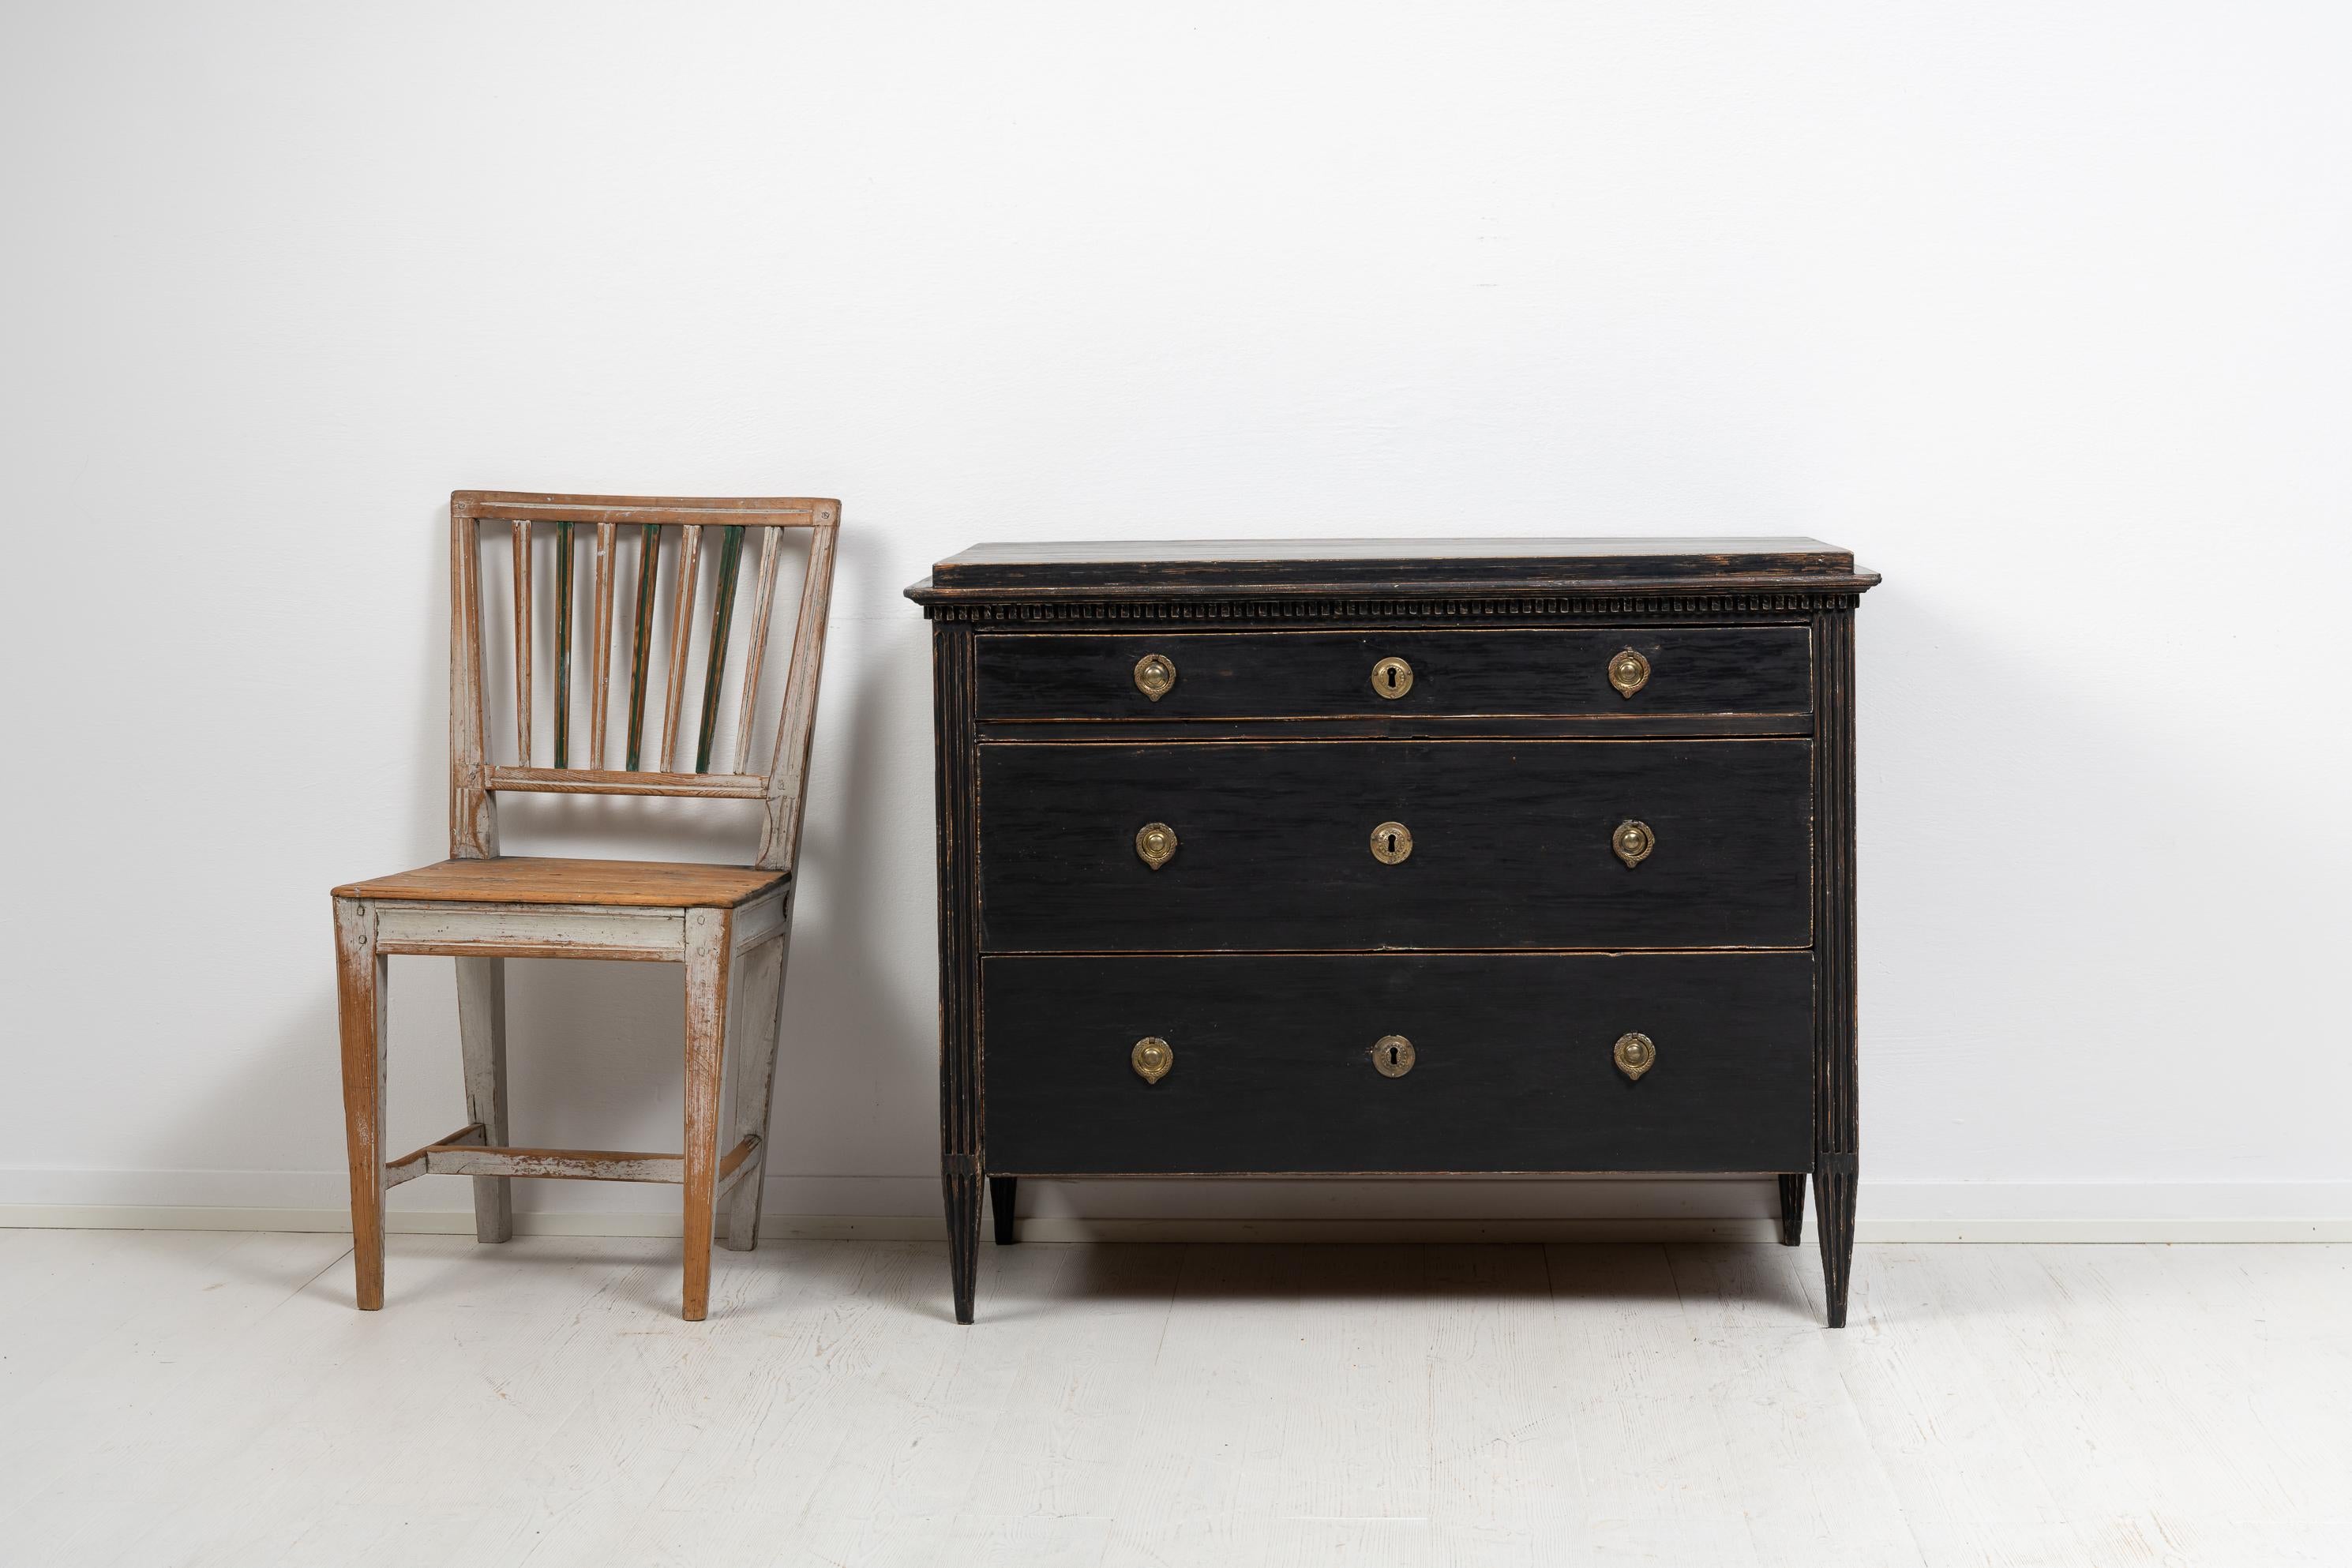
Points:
(958, 753)
(964, 1239)
(1837, 1104)
(1834, 1211)
(1792, 1209)
(1000, 1198)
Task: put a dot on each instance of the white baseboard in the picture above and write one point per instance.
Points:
(906, 1208)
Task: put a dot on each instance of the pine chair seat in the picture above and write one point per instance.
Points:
(729, 926)
(533, 880)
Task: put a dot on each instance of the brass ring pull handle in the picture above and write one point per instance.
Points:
(1628, 672)
(1391, 679)
(1155, 844)
(1152, 1059)
(1393, 1056)
(1155, 675)
(1633, 841)
(1391, 843)
(1634, 1055)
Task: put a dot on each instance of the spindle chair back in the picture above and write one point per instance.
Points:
(482, 908)
(654, 762)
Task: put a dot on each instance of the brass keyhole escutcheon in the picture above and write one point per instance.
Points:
(1633, 841)
(1152, 1059)
(1628, 672)
(1392, 678)
(1391, 843)
(1634, 1054)
(1155, 675)
(1155, 842)
(1393, 1056)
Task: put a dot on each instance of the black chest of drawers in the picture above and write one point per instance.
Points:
(1396, 858)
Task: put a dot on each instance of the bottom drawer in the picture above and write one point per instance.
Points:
(1271, 1067)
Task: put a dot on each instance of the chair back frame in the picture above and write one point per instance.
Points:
(781, 786)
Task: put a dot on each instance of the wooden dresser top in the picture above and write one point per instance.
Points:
(1179, 568)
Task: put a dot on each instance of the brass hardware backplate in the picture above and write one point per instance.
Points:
(1155, 675)
(1153, 1056)
(1628, 672)
(1393, 1056)
(1633, 841)
(1391, 843)
(1636, 1055)
(1155, 842)
(1392, 678)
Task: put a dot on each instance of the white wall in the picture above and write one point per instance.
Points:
(2043, 310)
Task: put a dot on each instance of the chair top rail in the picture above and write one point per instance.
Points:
(528, 506)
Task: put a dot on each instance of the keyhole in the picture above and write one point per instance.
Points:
(1393, 1056)
(1391, 842)
(1389, 677)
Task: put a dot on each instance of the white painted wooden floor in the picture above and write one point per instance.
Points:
(173, 1397)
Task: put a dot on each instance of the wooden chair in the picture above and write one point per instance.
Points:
(730, 926)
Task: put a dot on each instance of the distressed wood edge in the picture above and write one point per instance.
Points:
(506, 907)
(764, 609)
(612, 780)
(737, 1162)
(641, 639)
(710, 962)
(788, 765)
(605, 563)
(755, 1031)
(457, 929)
(360, 1018)
(722, 631)
(681, 641)
(776, 512)
(618, 954)
(566, 569)
(763, 919)
(411, 1166)
(482, 1050)
(560, 1164)
(473, 815)
(524, 602)
(467, 1152)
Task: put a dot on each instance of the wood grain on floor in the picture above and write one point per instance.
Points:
(184, 1397)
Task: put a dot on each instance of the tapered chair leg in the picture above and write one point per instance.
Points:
(1001, 1193)
(482, 1031)
(360, 1017)
(751, 1063)
(1792, 1208)
(708, 934)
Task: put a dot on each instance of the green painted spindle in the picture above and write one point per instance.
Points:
(641, 654)
(722, 622)
(562, 644)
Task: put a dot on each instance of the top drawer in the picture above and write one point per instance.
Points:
(1533, 672)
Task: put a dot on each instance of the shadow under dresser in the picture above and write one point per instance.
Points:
(1396, 858)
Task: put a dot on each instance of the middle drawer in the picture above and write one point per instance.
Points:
(1295, 844)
